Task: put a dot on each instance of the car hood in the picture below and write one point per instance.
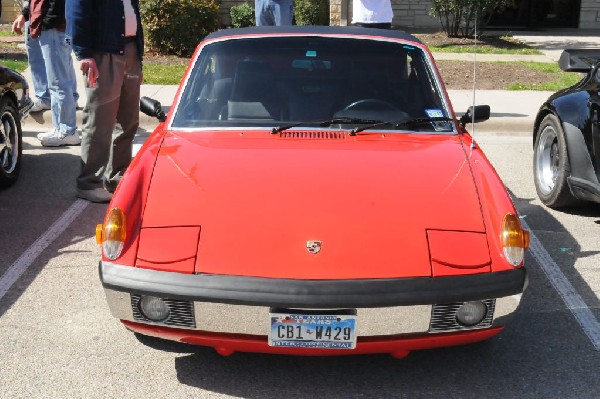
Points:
(348, 207)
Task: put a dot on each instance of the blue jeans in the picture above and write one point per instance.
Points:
(273, 12)
(61, 80)
(37, 66)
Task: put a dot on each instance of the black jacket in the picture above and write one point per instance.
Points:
(99, 26)
(51, 13)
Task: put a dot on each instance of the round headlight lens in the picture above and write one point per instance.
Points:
(471, 313)
(154, 308)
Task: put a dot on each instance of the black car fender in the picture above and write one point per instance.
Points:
(579, 156)
(573, 115)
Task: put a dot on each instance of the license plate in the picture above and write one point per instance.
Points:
(328, 331)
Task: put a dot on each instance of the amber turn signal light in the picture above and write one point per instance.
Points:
(514, 239)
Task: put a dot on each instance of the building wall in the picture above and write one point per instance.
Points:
(589, 18)
(225, 5)
(407, 13)
(415, 14)
(10, 10)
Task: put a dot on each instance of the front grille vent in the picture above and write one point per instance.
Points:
(314, 135)
(443, 317)
(181, 315)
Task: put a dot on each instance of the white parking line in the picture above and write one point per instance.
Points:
(16, 270)
(565, 289)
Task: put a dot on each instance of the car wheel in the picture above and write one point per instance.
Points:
(551, 165)
(10, 143)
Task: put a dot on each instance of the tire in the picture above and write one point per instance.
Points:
(11, 140)
(551, 165)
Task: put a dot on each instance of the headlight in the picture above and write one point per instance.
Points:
(112, 233)
(471, 313)
(514, 239)
(154, 308)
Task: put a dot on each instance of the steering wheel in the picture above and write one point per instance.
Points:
(371, 104)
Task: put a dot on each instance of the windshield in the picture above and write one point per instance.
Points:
(276, 81)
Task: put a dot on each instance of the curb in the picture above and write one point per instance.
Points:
(504, 127)
(43, 120)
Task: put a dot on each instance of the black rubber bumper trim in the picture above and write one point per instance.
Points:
(274, 292)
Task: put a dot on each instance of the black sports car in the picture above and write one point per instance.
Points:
(14, 106)
(566, 136)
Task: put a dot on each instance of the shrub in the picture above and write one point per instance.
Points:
(242, 15)
(177, 26)
(458, 17)
(311, 12)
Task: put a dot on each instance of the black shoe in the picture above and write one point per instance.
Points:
(99, 195)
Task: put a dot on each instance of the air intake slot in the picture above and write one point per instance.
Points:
(314, 135)
(182, 313)
(443, 317)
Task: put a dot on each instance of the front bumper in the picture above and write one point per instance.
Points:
(241, 305)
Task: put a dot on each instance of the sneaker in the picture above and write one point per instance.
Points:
(99, 195)
(39, 105)
(47, 134)
(59, 141)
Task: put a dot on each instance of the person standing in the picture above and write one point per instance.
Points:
(37, 65)
(273, 12)
(47, 24)
(36, 61)
(47, 27)
(372, 13)
(107, 38)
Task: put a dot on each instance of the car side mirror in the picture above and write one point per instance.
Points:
(478, 113)
(151, 107)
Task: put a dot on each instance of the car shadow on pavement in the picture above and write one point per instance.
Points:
(559, 243)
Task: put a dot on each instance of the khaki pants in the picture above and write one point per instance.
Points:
(110, 119)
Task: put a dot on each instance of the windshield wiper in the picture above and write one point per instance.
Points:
(401, 123)
(324, 123)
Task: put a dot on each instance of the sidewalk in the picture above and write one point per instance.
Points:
(512, 112)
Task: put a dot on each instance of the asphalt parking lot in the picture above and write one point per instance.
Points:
(57, 338)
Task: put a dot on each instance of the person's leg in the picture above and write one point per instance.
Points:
(128, 119)
(60, 74)
(263, 12)
(38, 68)
(99, 116)
(284, 12)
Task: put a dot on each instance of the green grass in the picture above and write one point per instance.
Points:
(18, 66)
(163, 74)
(561, 79)
(483, 49)
(6, 33)
(485, 45)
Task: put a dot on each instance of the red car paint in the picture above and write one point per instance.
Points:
(244, 202)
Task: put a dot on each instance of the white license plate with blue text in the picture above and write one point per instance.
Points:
(322, 331)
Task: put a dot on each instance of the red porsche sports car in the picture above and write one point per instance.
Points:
(311, 192)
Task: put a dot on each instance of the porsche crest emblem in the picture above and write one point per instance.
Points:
(313, 246)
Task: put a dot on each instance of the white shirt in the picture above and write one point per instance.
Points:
(130, 19)
(372, 11)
